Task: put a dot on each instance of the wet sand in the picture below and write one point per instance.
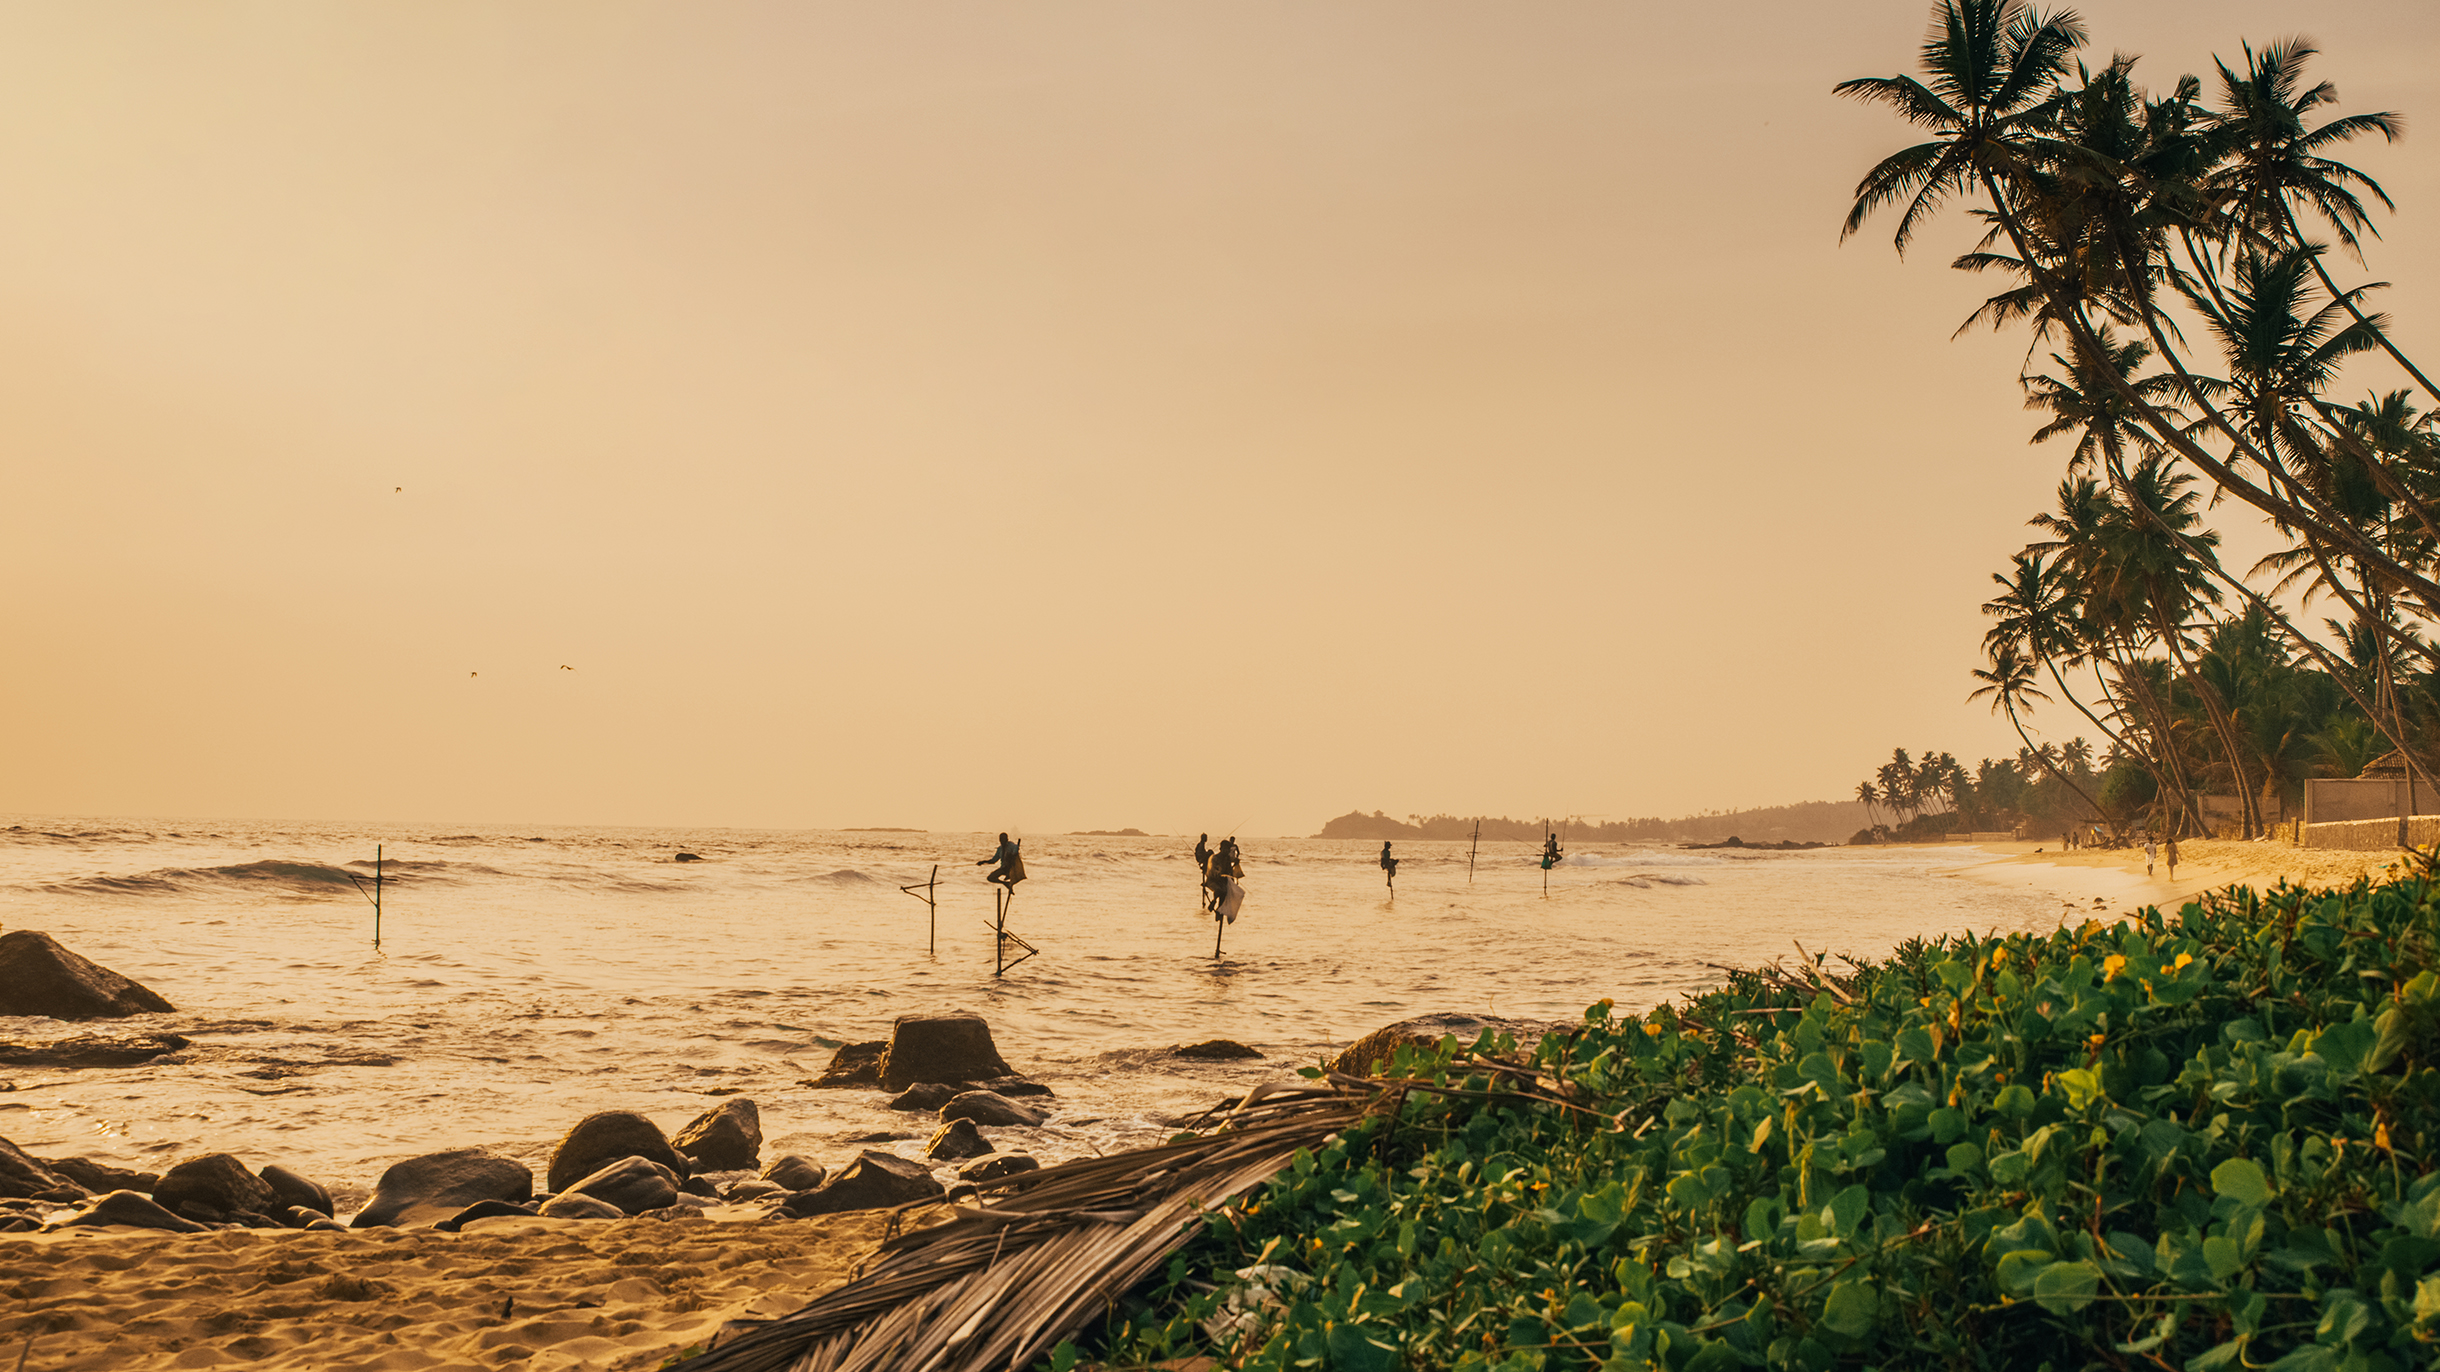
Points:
(617, 1296)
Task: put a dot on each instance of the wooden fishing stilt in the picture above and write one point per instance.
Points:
(373, 895)
(1477, 843)
(928, 895)
(1001, 938)
(1219, 922)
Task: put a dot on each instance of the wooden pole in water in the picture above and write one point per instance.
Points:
(931, 902)
(1219, 922)
(1477, 843)
(376, 897)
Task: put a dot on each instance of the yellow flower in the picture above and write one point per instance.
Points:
(2380, 1136)
(2095, 1040)
(1652, 1029)
(1998, 956)
(2182, 960)
(2112, 965)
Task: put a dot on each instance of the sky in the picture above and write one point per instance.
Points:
(1034, 416)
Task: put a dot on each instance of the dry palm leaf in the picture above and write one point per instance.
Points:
(996, 1287)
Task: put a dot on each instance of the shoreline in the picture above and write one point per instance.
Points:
(2109, 883)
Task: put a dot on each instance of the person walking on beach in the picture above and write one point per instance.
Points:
(2150, 851)
(1390, 865)
(1011, 865)
(2171, 854)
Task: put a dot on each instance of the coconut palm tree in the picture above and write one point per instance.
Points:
(2009, 682)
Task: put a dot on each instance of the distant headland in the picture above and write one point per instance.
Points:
(1812, 821)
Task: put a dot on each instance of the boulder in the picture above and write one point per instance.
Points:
(128, 1208)
(751, 1189)
(724, 1138)
(957, 1141)
(989, 1107)
(438, 1185)
(952, 1047)
(91, 1051)
(601, 1139)
(38, 977)
(287, 1189)
(855, 1064)
(873, 1181)
(794, 1173)
(927, 1095)
(996, 1166)
(23, 1175)
(580, 1208)
(99, 1177)
(481, 1210)
(1012, 1087)
(1375, 1048)
(214, 1181)
(634, 1185)
(1217, 1050)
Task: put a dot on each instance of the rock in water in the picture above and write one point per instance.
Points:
(126, 1207)
(38, 977)
(29, 1177)
(634, 1185)
(989, 1107)
(795, 1173)
(99, 1177)
(957, 1141)
(996, 1166)
(725, 1138)
(1377, 1047)
(90, 1051)
(1218, 1050)
(215, 1181)
(927, 1095)
(601, 1139)
(855, 1064)
(287, 1189)
(438, 1185)
(951, 1047)
(873, 1181)
(580, 1208)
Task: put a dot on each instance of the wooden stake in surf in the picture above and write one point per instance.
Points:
(1003, 898)
(925, 892)
(1477, 843)
(373, 895)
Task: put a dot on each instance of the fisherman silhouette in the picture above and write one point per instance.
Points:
(1550, 851)
(1221, 864)
(1390, 865)
(1011, 869)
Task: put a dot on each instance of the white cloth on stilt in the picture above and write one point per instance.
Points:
(1232, 895)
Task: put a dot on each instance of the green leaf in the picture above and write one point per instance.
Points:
(2242, 1180)
(2083, 1087)
(2222, 1355)
(1357, 1348)
(2389, 1039)
(2014, 1101)
(2225, 1257)
(2018, 1270)
(1915, 1045)
(1850, 1310)
(2161, 1330)
(2063, 1288)
(1846, 1211)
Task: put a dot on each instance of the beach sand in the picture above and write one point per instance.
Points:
(2109, 883)
(616, 1295)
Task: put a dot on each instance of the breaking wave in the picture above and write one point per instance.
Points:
(265, 875)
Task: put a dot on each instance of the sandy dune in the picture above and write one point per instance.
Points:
(616, 1295)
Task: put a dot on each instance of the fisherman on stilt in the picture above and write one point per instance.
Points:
(1010, 868)
(1389, 866)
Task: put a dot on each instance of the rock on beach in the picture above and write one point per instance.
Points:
(634, 1185)
(38, 977)
(214, 1187)
(854, 1065)
(1369, 1052)
(948, 1047)
(24, 1175)
(990, 1107)
(438, 1185)
(957, 1141)
(726, 1138)
(873, 1181)
(603, 1138)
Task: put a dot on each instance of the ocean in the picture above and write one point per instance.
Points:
(529, 976)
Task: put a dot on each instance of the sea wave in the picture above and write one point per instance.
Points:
(1647, 880)
(845, 876)
(266, 874)
(1648, 858)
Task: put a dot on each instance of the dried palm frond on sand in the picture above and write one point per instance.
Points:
(996, 1287)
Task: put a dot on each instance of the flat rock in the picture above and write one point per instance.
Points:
(996, 1166)
(948, 1047)
(957, 1141)
(601, 1139)
(99, 1177)
(753, 1188)
(580, 1208)
(794, 1173)
(1218, 1050)
(989, 1107)
(634, 1185)
(91, 1051)
(438, 1185)
(25, 1176)
(927, 1095)
(126, 1207)
(215, 1181)
(724, 1138)
(1012, 1087)
(1375, 1048)
(287, 1189)
(855, 1064)
(39, 977)
(874, 1181)
(481, 1210)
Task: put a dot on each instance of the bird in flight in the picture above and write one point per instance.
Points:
(565, 667)
(474, 674)
(397, 490)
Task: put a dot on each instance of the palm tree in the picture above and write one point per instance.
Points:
(2008, 681)
(1864, 792)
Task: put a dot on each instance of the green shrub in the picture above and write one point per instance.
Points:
(2193, 1142)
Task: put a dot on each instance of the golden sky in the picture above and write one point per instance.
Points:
(1007, 415)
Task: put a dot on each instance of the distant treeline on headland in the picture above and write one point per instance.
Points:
(1822, 821)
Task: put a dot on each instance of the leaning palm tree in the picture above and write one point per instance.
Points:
(2008, 682)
